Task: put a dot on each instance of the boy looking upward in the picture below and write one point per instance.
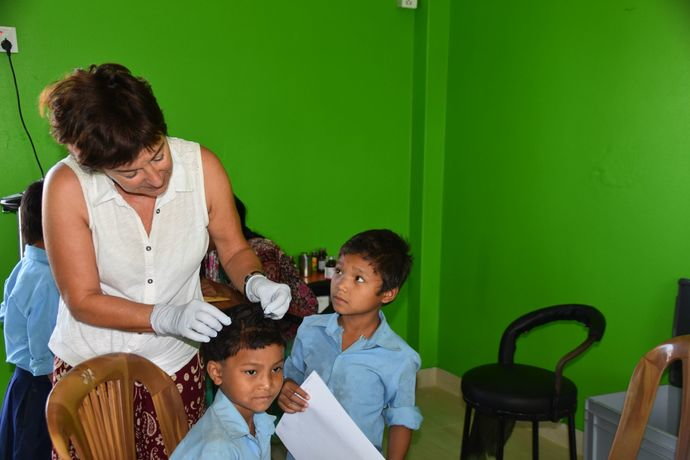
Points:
(245, 360)
(369, 369)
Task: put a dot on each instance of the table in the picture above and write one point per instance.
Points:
(314, 278)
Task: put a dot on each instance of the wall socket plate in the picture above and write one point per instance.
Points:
(9, 33)
(412, 4)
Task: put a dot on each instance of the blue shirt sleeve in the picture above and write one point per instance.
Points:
(41, 317)
(9, 286)
(401, 409)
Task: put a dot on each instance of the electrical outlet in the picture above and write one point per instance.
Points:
(412, 4)
(9, 33)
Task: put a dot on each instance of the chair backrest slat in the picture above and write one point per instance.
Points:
(99, 429)
(89, 418)
(116, 404)
(111, 413)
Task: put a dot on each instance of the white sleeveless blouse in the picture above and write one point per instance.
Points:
(162, 267)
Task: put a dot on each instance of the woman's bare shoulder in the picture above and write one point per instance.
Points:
(61, 176)
(210, 161)
(62, 186)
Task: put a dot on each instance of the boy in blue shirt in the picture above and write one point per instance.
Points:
(245, 360)
(369, 369)
(29, 309)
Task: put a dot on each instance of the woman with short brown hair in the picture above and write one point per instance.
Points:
(127, 218)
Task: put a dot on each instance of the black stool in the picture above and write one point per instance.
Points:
(506, 391)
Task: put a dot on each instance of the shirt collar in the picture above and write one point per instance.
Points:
(35, 253)
(234, 423)
(383, 336)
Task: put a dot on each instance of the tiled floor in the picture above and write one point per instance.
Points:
(439, 437)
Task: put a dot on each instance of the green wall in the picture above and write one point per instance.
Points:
(307, 103)
(567, 178)
(429, 93)
(534, 153)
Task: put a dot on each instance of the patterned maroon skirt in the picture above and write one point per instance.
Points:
(191, 384)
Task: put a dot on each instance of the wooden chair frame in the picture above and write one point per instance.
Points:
(640, 397)
(92, 407)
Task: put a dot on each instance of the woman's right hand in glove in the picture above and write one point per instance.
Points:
(196, 320)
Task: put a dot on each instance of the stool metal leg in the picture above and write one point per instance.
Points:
(571, 437)
(535, 440)
(501, 438)
(466, 430)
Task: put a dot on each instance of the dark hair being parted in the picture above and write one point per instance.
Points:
(388, 253)
(249, 329)
(30, 210)
(105, 113)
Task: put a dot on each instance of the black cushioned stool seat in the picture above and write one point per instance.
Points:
(518, 389)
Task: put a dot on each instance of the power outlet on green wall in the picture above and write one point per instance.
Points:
(9, 34)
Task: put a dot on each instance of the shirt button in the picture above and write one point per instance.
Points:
(150, 281)
(158, 211)
(148, 248)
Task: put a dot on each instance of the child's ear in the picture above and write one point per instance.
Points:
(213, 369)
(389, 296)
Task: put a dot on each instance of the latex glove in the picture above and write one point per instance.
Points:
(275, 298)
(197, 320)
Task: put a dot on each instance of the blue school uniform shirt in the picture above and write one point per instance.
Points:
(374, 379)
(29, 309)
(222, 433)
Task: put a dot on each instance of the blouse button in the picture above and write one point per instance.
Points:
(150, 281)
(158, 211)
(148, 248)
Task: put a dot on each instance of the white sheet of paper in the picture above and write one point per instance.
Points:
(324, 430)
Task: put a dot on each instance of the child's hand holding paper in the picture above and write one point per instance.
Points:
(292, 398)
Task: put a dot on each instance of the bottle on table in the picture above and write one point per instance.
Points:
(322, 260)
(314, 262)
(329, 268)
(304, 264)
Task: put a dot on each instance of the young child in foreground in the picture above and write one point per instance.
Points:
(369, 369)
(29, 309)
(245, 361)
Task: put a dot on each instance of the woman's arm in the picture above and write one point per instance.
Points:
(224, 227)
(210, 288)
(73, 260)
(398, 442)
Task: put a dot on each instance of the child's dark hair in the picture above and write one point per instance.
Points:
(387, 252)
(249, 329)
(30, 210)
